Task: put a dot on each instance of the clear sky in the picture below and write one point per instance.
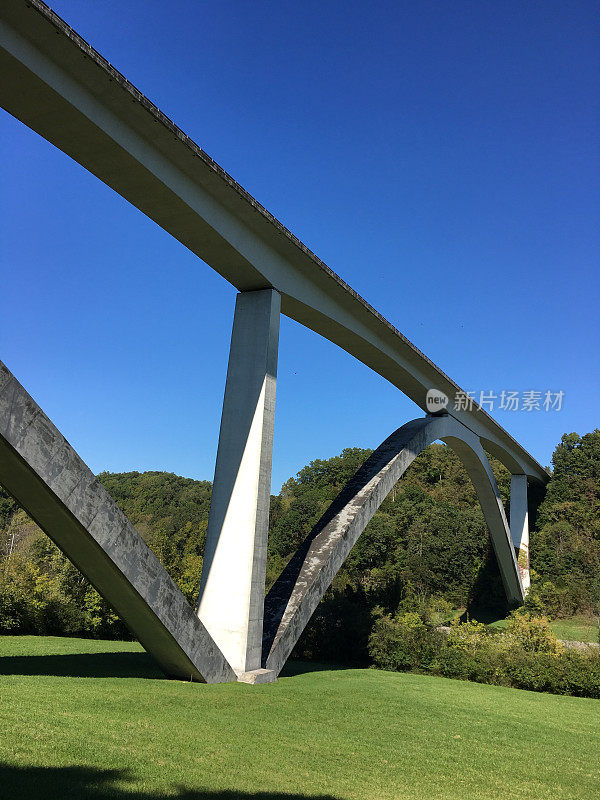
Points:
(442, 157)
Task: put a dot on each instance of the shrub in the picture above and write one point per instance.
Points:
(403, 642)
(338, 632)
(571, 672)
(532, 634)
(12, 611)
(481, 666)
(469, 637)
(526, 656)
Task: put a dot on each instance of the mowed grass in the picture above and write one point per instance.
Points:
(576, 629)
(90, 719)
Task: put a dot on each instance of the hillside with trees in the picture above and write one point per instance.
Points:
(427, 547)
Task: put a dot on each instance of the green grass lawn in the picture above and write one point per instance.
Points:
(577, 629)
(88, 719)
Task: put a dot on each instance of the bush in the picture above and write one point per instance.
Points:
(469, 637)
(33, 602)
(12, 612)
(481, 666)
(337, 632)
(526, 656)
(532, 634)
(403, 642)
(572, 672)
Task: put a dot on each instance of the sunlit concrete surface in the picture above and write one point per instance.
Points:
(519, 525)
(232, 590)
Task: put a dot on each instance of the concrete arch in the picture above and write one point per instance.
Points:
(298, 590)
(45, 475)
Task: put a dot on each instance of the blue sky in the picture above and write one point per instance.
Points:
(441, 157)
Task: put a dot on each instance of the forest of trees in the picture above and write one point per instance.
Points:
(426, 547)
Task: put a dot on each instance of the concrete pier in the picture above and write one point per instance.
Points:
(232, 590)
(519, 525)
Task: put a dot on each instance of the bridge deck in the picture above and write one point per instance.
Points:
(58, 85)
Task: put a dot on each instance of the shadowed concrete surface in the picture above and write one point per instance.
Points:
(49, 480)
(303, 582)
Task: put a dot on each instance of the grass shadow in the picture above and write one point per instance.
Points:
(83, 665)
(91, 783)
(122, 665)
(295, 667)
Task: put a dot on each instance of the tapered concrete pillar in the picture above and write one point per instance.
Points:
(232, 590)
(519, 525)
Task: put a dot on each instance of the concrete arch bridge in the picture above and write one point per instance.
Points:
(58, 85)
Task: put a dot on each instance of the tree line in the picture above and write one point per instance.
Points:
(426, 551)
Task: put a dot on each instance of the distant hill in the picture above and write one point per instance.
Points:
(427, 543)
